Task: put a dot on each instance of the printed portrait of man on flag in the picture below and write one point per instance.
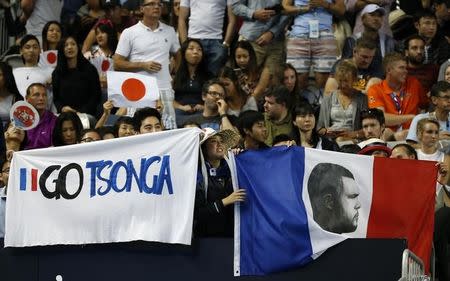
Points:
(334, 193)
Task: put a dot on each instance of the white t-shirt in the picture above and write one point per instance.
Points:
(206, 18)
(139, 43)
(44, 11)
(412, 133)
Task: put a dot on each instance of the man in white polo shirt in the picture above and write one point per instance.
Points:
(145, 48)
(206, 19)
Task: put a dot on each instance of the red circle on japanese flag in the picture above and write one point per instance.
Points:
(51, 57)
(24, 116)
(105, 65)
(133, 89)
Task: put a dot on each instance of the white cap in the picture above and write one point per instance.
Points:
(368, 9)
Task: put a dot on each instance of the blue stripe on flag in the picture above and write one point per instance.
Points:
(273, 224)
(23, 179)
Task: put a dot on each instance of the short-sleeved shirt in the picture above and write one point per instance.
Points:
(284, 127)
(412, 133)
(206, 18)
(140, 43)
(300, 27)
(411, 97)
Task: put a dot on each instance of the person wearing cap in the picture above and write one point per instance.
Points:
(214, 198)
(440, 98)
(363, 54)
(399, 96)
(311, 42)
(427, 74)
(372, 17)
(41, 135)
(374, 147)
(357, 6)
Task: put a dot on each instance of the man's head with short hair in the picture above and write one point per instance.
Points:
(147, 120)
(395, 67)
(440, 95)
(212, 91)
(90, 135)
(30, 49)
(333, 193)
(36, 95)
(251, 126)
(441, 8)
(124, 127)
(415, 50)
(403, 151)
(426, 23)
(364, 52)
(277, 102)
(372, 123)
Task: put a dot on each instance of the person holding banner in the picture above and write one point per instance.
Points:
(214, 197)
(146, 48)
(147, 120)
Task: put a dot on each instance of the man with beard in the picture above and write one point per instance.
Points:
(334, 193)
(278, 119)
(363, 55)
(372, 19)
(399, 96)
(415, 54)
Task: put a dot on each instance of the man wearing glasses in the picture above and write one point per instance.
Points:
(146, 47)
(440, 97)
(214, 113)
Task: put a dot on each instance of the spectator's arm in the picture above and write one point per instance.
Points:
(89, 41)
(394, 119)
(292, 10)
(263, 83)
(330, 86)
(182, 23)
(230, 27)
(241, 10)
(27, 7)
(122, 64)
(337, 8)
(279, 27)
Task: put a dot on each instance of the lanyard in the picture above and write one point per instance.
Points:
(398, 100)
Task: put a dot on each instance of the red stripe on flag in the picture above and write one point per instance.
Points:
(403, 203)
(34, 179)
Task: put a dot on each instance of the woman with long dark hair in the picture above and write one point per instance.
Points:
(307, 136)
(189, 79)
(235, 97)
(51, 35)
(67, 129)
(106, 40)
(76, 84)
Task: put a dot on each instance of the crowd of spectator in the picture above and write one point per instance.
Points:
(347, 76)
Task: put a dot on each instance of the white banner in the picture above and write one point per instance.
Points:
(134, 188)
(128, 89)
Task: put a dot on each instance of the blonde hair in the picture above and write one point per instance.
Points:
(346, 68)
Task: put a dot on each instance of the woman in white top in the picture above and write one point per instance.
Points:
(428, 136)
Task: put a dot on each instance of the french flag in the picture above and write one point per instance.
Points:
(302, 201)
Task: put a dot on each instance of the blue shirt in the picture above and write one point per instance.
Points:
(300, 27)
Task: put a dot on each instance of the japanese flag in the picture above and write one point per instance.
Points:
(48, 59)
(102, 64)
(128, 89)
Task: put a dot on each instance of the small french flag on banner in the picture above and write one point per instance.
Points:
(128, 89)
